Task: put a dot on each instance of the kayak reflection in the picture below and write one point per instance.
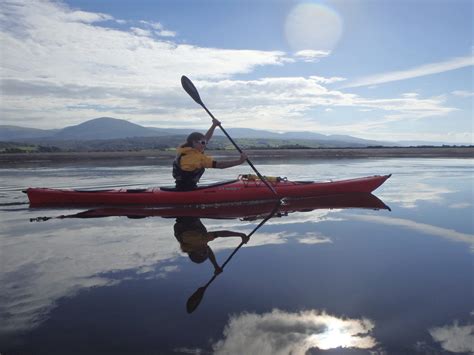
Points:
(193, 238)
(245, 211)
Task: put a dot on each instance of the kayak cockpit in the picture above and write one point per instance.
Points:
(201, 187)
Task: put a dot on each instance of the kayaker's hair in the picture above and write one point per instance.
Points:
(195, 136)
(198, 257)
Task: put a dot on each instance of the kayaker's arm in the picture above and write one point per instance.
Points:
(230, 163)
(210, 132)
(212, 258)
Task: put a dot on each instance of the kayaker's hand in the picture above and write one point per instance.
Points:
(218, 270)
(216, 122)
(245, 239)
(243, 157)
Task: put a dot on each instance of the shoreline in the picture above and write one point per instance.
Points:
(153, 157)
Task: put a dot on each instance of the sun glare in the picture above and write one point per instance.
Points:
(313, 26)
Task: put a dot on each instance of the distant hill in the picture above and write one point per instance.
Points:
(112, 128)
(12, 133)
(125, 132)
(103, 128)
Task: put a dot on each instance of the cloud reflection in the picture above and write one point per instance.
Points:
(450, 234)
(60, 259)
(65, 258)
(455, 338)
(418, 192)
(280, 332)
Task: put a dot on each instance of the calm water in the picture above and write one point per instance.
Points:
(337, 280)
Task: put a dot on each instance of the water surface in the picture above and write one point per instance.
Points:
(328, 280)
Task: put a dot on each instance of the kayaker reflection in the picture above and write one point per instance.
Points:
(191, 162)
(193, 238)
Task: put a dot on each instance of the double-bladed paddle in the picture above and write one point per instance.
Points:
(189, 87)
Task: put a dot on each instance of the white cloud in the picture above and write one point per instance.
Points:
(410, 95)
(280, 332)
(159, 29)
(51, 42)
(166, 33)
(426, 69)
(463, 93)
(322, 80)
(309, 55)
(86, 17)
(140, 32)
(455, 338)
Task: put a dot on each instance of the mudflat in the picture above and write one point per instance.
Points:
(152, 157)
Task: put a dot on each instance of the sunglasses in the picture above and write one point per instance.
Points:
(202, 142)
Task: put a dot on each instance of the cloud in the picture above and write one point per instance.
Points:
(159, 29)
(322, 80)
(310, 55)
(50, 41)
(47, 45)
(410, 95)
(463, 93)
(279, 332)
(455, 338)
(423, 70)
(140, 32)
(275, 102)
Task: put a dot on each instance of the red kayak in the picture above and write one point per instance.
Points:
(242, 189)
(244, 211)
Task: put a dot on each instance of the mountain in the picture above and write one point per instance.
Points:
(113, 128)
(103, 128)
(8, 133)
(107, 128)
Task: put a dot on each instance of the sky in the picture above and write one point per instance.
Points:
(374, 69)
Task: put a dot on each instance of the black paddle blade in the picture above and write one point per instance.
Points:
(189, 87)
(195, 299)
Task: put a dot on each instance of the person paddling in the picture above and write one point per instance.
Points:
(191, 162)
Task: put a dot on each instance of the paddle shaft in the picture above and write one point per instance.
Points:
(249, 235)
(240, 151)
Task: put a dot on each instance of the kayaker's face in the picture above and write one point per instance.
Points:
(200, 145)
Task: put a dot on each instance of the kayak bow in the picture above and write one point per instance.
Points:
(231, 191)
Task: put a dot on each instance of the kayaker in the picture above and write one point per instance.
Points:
(191, 162)
(193, 238)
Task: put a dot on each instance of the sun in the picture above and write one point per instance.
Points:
(313, 26)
